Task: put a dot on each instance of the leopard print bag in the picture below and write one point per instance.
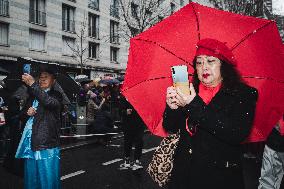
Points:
(162, 162)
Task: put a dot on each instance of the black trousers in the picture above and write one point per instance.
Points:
(136, 139)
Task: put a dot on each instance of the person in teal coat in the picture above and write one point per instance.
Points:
(39, 144)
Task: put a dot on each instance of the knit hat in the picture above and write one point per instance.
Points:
(213, 47)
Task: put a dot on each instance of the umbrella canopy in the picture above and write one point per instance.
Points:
(65, 99)
(112, 81)
(256, 45)
(68, 85)
(3, 71)
(13, 82)
(82, 79)
(64, 83)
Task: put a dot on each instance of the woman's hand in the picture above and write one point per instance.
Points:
(171, 97)
(183, 99)
(31, 111)
(28, 79)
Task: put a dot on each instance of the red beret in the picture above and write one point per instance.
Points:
(213, 47)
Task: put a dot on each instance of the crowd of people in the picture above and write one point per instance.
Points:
(34, 113)
(106, 104)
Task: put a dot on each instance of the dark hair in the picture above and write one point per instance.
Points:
(231, 76)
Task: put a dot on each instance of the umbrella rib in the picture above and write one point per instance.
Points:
(197, 20)
(146, 80)
(156, 78)
(147, 40)
(250, 34)
(267, 78)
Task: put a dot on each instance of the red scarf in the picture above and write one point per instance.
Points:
(206, 94)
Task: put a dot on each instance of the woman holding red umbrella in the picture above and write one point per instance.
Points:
(213, 121)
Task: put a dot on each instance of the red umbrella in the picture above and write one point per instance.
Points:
(255, 42)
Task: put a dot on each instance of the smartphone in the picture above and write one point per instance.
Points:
(180, 78)
(27, 68)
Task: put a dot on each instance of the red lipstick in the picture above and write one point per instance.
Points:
(205, 75)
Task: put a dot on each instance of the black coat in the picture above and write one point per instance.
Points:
(103, 121)
(132, 123)
(211, 158)
(12, 164)
(46, 125)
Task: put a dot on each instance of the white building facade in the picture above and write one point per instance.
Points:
(48, 30)
(51, 31)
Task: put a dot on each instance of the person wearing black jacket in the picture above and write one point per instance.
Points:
(214, 119)
(15, 104)
(133, 129)
(39, 145)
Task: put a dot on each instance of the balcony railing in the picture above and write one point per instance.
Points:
(93, 4)
(4, 8)
(68, 25)
(114, 39)
(114, 11)
(94, 32)
(37, 17)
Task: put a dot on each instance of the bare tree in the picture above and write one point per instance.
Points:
(245, 7)
(80, 46)
(138, 15)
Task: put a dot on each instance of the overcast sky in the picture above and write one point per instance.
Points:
(278, 7)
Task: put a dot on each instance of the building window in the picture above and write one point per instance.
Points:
(94, 26)
(93, 50)
(114, 37)
(94, 4)
(181, 2)
(173, 8)
(114, 54)
(114, 10)
(68, 23)
(4, 34)
(68, 46)
(134, 10)
(37, 40)
(4, 8)
(37, 12)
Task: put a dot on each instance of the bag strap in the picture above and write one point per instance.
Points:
(191, 133)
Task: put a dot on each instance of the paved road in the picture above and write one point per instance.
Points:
(96, 166)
